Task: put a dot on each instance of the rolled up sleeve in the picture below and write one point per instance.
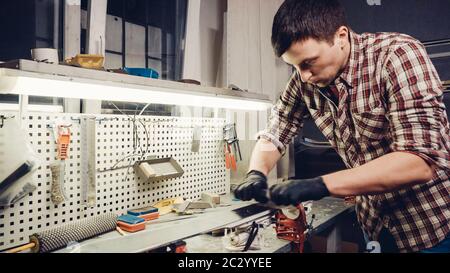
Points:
(286, 117)
(418, 120)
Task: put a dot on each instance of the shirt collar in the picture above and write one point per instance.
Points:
(348, 75)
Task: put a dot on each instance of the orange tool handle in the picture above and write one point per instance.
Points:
(227, 158)
(233, 163)
(63, 142)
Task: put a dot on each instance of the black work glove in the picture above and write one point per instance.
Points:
(254, 186)
(293, 192)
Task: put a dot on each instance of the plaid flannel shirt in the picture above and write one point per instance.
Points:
(390, 99)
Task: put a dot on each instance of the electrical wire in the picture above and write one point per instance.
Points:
(133, 153)
(147, 137)
(143, 109)
(136, 140)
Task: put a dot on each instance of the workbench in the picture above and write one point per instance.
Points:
(328, 214)
(194, 230)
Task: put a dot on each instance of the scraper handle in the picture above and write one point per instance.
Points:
(21, 248)
(16, 175)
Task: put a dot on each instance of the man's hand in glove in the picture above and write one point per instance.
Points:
(254, 186)
(293, 192)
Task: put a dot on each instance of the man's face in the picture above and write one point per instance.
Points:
(318, 62)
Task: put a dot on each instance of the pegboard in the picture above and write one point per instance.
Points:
(118, 188)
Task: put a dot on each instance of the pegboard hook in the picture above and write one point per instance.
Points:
(2, 119)
(76, 119)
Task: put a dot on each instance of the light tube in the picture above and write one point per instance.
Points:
(110, 91)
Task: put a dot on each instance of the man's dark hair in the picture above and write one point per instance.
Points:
(298, 20)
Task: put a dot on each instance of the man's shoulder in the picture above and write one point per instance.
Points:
(385, 41)
(380, 46)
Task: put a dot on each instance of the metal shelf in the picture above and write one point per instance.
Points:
(71, 74)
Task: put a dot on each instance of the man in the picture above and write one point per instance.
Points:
(377, 98)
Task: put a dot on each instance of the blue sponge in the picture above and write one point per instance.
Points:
(143, 211)
(130, 219)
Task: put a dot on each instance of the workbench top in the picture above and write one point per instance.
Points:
(326, 213)
(163, 231)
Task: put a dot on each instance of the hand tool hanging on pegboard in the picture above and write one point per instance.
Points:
(230, 136)
(231, 141)
(230, 160)
(62, 136)
(88, 161)
(196, 138)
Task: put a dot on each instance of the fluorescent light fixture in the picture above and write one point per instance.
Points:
(32, 108)
(67, 87)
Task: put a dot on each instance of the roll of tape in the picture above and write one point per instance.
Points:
(49, 55)
(239, 239)
(291, 212)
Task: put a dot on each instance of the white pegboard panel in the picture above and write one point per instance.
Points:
(116, 190)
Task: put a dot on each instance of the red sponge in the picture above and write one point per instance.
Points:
(131, 227)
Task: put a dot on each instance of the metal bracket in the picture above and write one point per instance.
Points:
(2, 119)
(105, 119)
(93, 118)
(88, 164)
(51, 126)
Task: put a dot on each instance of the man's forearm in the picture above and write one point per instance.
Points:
(386, 173)
(264, 157)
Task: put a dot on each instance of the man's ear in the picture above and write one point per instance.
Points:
(342, 36)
